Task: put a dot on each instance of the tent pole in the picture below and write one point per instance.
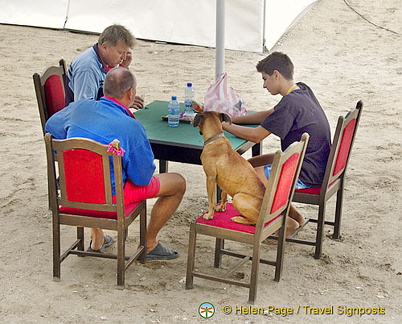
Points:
(220, 38)
(263, 26)
(68, 9)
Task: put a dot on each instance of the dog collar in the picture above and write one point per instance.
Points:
(213, 138)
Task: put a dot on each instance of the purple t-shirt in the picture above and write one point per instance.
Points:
(297, 113)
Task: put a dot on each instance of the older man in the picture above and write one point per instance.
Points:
(107, 119)
(87, 72)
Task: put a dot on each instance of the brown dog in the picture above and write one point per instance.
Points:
(225, 167)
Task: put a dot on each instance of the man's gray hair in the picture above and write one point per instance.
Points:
(115, 34)
(118, 81)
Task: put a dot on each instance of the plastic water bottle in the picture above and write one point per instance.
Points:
(188, 98)
(173, 112)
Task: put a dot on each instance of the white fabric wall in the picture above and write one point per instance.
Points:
(280, 15)
(38, 13)
(160, 19)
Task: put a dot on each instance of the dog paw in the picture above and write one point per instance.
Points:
(220, 207)
(208, 216)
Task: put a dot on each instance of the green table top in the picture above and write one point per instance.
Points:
(184, 135)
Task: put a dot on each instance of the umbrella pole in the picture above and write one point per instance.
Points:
(220, 38)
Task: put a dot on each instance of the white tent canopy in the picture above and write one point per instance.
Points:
(250, 25)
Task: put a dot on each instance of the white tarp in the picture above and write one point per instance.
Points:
(247, 22)
(38, 13)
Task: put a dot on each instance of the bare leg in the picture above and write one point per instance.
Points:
(97, 238)
(291, 226)
(173, 187)
(293, 213)
(261, 160)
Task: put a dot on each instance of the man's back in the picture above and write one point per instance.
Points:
(104, 121)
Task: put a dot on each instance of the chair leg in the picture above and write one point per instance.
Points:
(121, 249)
(143, 234)
(56, 248)
(254, 273)
(338, 213)
(191, 256)
(80, 236)
(320, 231)
(219, 245)
(280, 251)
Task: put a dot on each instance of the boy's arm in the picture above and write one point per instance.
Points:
(252, 119)
(254, 135)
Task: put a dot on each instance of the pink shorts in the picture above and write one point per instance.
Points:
(134, 193)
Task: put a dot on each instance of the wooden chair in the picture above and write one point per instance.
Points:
(272, 218)
(79, 176)
(334, 180)
(50, 91)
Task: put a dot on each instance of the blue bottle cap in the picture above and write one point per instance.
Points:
(174, 97)
(189, 84)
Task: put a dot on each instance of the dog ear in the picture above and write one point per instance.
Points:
(198, 119)
(225, 118)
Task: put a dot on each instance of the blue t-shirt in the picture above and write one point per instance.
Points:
(104, 121)
(299, 112)
(85, 76)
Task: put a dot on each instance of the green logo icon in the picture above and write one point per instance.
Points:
(206, 310)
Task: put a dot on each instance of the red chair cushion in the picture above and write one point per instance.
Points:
(311, 191)
(55, 96)
(94, 213)
(223, 220)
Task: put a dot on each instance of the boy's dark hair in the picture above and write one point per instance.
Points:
(277, 61)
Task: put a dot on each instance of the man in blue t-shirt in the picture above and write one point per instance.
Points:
(105, 120)
(297, 112)
(87, 72)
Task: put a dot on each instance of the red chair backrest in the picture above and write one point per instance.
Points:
(285, 182)
(344, 147)
(84, 177)
(54, 93)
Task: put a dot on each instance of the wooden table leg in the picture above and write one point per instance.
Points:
(163, 166)
(256, 149)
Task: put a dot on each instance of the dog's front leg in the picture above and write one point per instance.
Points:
(221, 207)
(211, 181)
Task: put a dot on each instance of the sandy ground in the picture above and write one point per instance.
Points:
(342, 56)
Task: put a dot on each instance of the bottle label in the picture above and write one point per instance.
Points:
(188, 107)
(173, 114)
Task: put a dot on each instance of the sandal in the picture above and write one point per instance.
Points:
(161, 252)
(108, 241)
